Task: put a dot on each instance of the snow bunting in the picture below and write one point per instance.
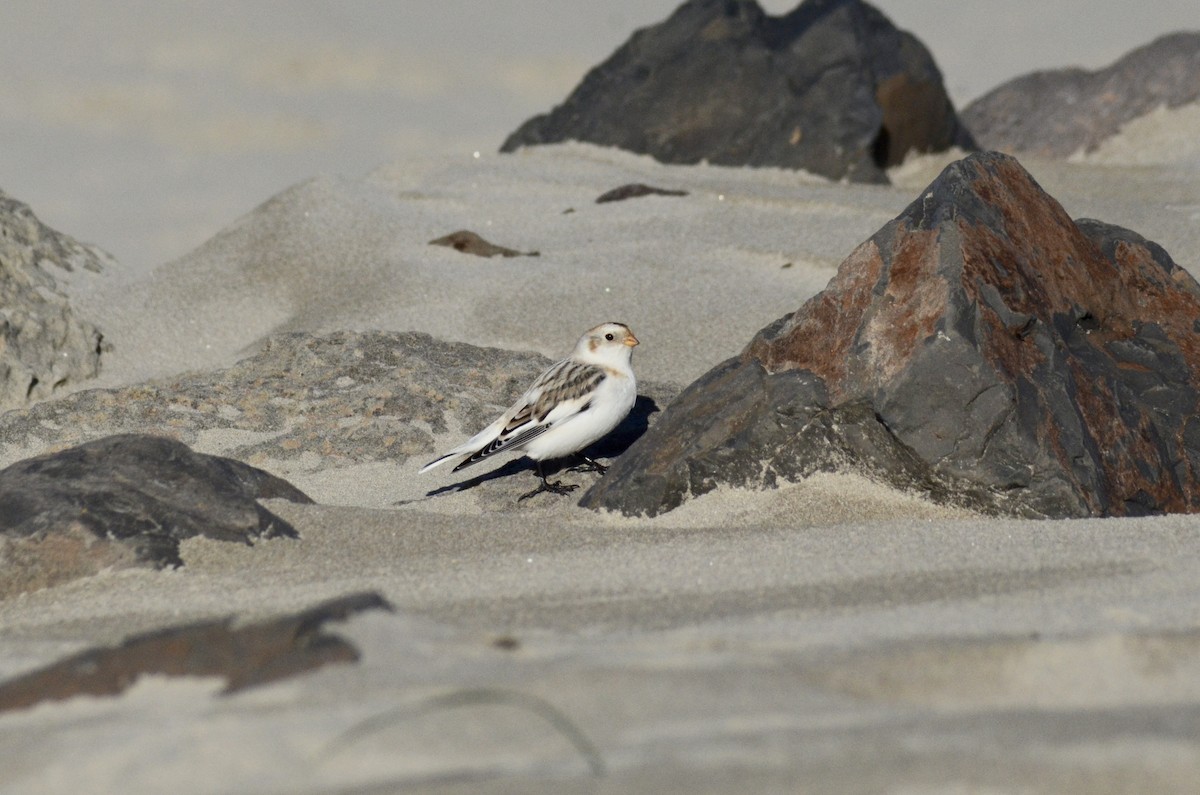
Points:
(571, 405)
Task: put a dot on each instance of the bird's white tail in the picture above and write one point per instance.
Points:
(438, 462)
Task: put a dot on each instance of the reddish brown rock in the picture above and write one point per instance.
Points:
(982, 347)
(244, 656)
(1058, 113)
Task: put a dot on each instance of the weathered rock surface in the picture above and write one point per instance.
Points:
(244, 656)
(831, 87)
(1057, 113)
(43, 345)
(336, 399)
(126, 499)
(982, 348)
(347, 397)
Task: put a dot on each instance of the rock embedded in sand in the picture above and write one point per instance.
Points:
(635, 190)
(331, 400)
(831, 87)
(468, 242)
(126, 499)
(244, 656)
(1058, 113)
(981, 348)
(341, 397)
(43, 345)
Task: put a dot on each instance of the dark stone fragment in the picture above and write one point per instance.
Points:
(471, 243)
(1058, 113)
(982, 348)
(244, 656)
(831, 87)
(633, 191)
(145, 493)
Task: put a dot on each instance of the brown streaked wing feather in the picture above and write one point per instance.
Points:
(576, 381)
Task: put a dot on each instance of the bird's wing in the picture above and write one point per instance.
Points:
(562, 392)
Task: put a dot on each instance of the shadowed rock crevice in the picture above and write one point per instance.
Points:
(831, 87)
(982, 348)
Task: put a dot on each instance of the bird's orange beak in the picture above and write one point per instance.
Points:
(631, 340)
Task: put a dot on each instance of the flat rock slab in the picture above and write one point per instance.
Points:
(831, 87)
(44, 345)
(335, 399)
(129, 498)
(1058, 113)
(244, 656)
(982, 348)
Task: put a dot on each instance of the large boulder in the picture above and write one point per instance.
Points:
(43, 345)
(982, 348)
(831, 87)
(124, 500)
(1058, 113)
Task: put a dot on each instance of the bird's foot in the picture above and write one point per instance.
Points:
(589, 465)
(557, 487)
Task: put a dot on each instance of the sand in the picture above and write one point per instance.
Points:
(831, 635)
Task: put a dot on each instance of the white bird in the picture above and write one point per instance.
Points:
(574, 403)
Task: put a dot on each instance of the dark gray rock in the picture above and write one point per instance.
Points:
(62, 511)
(831, 87)
(43, 345)
(244, 656)
(1057, 113)
(981, 348)
(635, 190)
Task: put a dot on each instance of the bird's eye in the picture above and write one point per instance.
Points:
(608, 337)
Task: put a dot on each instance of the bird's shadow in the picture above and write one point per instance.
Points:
(611, 446)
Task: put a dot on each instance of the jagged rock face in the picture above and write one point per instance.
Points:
(43, 346)
(1058, 113)
(982, 347)
(832, 87)
(125, 500)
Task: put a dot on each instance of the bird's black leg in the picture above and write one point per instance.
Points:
(588, 465)
(557, 487)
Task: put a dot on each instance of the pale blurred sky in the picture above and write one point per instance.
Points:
(146, 127)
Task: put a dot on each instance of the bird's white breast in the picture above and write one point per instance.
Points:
(613, 400)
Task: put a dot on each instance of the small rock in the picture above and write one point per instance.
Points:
(1058, 113)
(633, 191)
(982, 348)
(244, 656)
(471, 243)
(831, 87)
(126, 499)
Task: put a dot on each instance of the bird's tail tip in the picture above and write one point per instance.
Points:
(434, 463)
